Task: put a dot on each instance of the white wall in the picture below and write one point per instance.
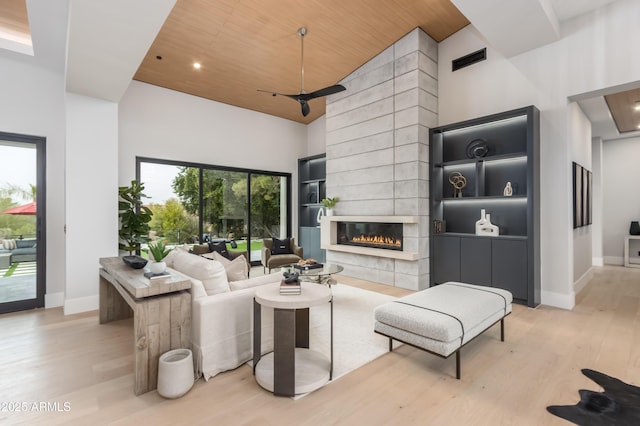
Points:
(33, 104)
(580, 140)
(595, 52)
(621, 203)
(317, 136)
(597, 227)
(161, 123)
(91, 196)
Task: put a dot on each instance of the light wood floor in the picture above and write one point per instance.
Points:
(49, 358)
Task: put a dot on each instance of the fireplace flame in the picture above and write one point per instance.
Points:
(377, 239)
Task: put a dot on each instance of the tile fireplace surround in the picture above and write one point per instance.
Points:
(377, 159)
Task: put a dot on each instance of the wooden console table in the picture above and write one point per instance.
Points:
(161, 311)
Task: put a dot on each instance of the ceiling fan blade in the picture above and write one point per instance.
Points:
(302, 98)
(326, 91)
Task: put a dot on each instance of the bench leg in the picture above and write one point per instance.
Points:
(390, 344)
(502, 329)
(458, 364)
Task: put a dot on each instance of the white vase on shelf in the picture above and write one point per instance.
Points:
(484, 225)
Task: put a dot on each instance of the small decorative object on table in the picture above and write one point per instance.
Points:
(634, 229)
(290, 284)
(458, 181)
(158, 251)
(136, 262)
(306, 264)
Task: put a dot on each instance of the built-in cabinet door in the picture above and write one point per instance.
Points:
(509, 266)
(446, 259)
(475, 261)
(310, 242)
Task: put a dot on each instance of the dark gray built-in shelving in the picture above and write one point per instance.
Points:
(312, 189)
(510, 260)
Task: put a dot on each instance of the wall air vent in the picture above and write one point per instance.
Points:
(470, 59)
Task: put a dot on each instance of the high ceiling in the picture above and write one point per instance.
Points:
(246, 45)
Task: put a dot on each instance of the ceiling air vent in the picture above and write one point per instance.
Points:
(470, 59)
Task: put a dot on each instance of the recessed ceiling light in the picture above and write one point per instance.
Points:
(197, 65)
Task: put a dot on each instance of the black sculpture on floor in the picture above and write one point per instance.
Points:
(619, 404)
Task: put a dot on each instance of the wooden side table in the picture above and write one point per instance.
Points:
(161, 311)
(292, 368)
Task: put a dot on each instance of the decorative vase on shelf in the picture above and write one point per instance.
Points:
(329, 212)
(634, 229)
(157, 267)
(484, 225)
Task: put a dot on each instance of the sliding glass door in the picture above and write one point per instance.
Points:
(199, 203)
(269, 209)
(22, 219)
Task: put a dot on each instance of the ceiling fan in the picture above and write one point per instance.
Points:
(303, 97)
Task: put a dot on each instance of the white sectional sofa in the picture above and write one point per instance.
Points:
(222, 312)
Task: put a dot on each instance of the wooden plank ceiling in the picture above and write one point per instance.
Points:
(625, 110)
(246, 45)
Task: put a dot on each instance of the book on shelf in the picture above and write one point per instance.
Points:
(153, 276)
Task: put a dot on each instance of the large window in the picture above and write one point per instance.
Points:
(195, 203)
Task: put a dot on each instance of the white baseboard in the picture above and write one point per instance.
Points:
(597, 261)
(580, 284)
(53, 300)
(81, 304)
(558, 300)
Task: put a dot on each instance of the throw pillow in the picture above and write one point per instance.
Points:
(211, 273)
(281, 246)
(220, 247)
(236, 269)
(200, 249)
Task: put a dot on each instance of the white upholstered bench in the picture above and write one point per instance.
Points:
(443, 318)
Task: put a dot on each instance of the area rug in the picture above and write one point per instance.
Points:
(354, 342)
(618, 404)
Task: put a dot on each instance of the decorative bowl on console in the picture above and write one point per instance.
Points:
(136, 262)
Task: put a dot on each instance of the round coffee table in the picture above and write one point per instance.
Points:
(317, 275)
(292, 368)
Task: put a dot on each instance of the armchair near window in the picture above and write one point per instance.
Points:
(283, 252)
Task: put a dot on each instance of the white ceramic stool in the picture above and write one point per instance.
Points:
(175, 373)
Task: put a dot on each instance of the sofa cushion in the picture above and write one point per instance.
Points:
(220, 247)
(9, 244)
(27, 243)
(210, 272)
(236, 269)
(281, 246)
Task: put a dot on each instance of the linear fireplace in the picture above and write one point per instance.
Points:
(370, 234)
(404, 229)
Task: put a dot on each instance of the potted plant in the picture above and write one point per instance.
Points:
(329, 204)
(157, 252)
(134, 217)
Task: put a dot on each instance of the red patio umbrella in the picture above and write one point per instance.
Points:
(26, 209)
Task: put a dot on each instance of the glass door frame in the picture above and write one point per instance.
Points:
(41, 215)
(249, 173)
